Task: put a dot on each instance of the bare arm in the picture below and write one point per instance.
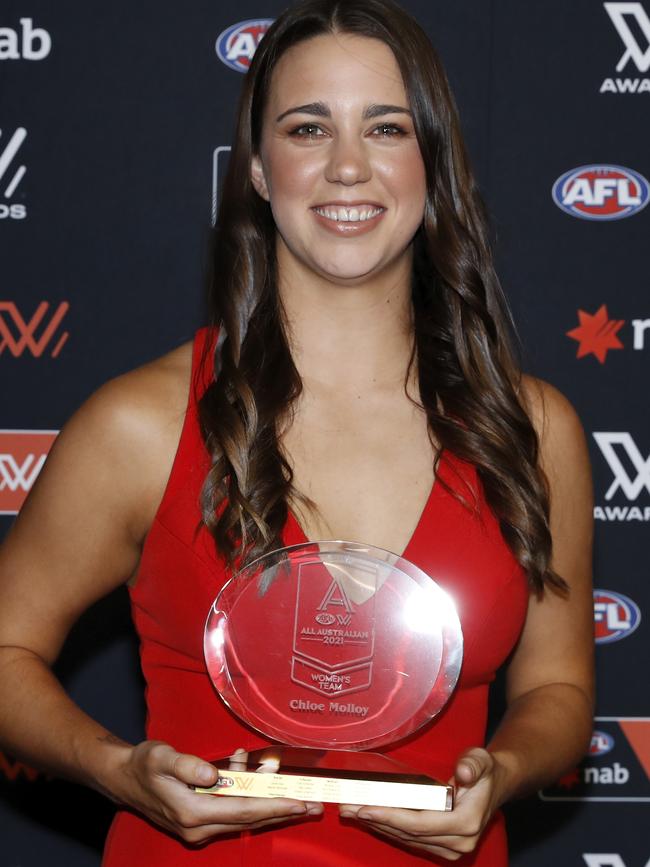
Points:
(550, 676)
(550, 681)
(78, 537)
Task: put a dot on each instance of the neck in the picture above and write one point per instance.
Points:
(348, 335)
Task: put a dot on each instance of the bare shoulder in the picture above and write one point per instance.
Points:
(553, 416)
(82, 526)
(558, 426)
(144, 399)
(121, 442)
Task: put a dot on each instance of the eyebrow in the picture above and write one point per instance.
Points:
(320, 109)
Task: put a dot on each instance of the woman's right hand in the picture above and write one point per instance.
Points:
(155, 780)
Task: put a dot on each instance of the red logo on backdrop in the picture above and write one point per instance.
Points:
(22, 455)
(597, 333)
(13, 770)
(35, 335)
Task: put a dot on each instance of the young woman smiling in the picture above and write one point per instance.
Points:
(355, 382)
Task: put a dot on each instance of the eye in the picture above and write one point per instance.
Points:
(307, 130)
(389, 130)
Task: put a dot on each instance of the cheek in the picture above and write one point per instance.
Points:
(292, 176)
(407, 180)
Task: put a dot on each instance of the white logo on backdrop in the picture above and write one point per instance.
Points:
(17, 476)
(633, 51)
(32, 43)
(6, 158)
(218, 158)
(630, 486)
(606, 860)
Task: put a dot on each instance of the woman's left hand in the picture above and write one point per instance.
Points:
(450, 834)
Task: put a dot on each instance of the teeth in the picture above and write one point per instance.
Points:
(349, 215)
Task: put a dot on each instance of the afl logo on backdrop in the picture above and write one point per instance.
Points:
(601, 743)
(237, 44)
(602, 192)
(615, 616)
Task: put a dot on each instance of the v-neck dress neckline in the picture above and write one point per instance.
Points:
(295, 533)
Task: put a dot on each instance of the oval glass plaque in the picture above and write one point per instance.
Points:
(333, 644)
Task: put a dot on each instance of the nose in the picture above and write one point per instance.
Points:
(348, 161)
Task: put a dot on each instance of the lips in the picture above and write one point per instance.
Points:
(352, 213)
(349, 219)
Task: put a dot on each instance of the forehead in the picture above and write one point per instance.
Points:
(339, 69)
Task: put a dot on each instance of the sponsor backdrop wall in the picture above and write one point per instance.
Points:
(115, 124)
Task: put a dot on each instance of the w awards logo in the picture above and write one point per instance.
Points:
(22, 455)
(617, 767)
(12, 172)
(632, 24)
(36, 335)
(630, 478)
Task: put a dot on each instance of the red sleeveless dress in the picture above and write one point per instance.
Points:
(179, 577)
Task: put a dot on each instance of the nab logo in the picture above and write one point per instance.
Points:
(22, 455)
(620, 771)
(601, 192)
(11, 175)
(628, 18)
(236, 46)
(33, 43)
(601, 743)
(596, 333)
(615, 616)
(18, 335)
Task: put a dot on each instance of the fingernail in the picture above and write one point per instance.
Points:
(365, 816)
(206, 773)
(297, 810)
(346, 814)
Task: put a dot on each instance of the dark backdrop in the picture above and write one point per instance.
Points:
(110, 120)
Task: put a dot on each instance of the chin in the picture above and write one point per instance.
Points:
(348, 272)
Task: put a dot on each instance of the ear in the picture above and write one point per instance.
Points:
(257, 177)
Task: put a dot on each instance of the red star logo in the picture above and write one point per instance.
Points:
(596, 334)
(568, 781)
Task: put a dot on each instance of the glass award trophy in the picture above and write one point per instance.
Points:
(332, 649)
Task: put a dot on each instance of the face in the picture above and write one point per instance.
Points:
(339, 162)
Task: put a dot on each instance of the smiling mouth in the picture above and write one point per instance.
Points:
(356, 214)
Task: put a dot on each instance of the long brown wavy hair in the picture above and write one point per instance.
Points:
(469, 378)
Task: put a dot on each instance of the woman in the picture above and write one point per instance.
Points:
(357, 384)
